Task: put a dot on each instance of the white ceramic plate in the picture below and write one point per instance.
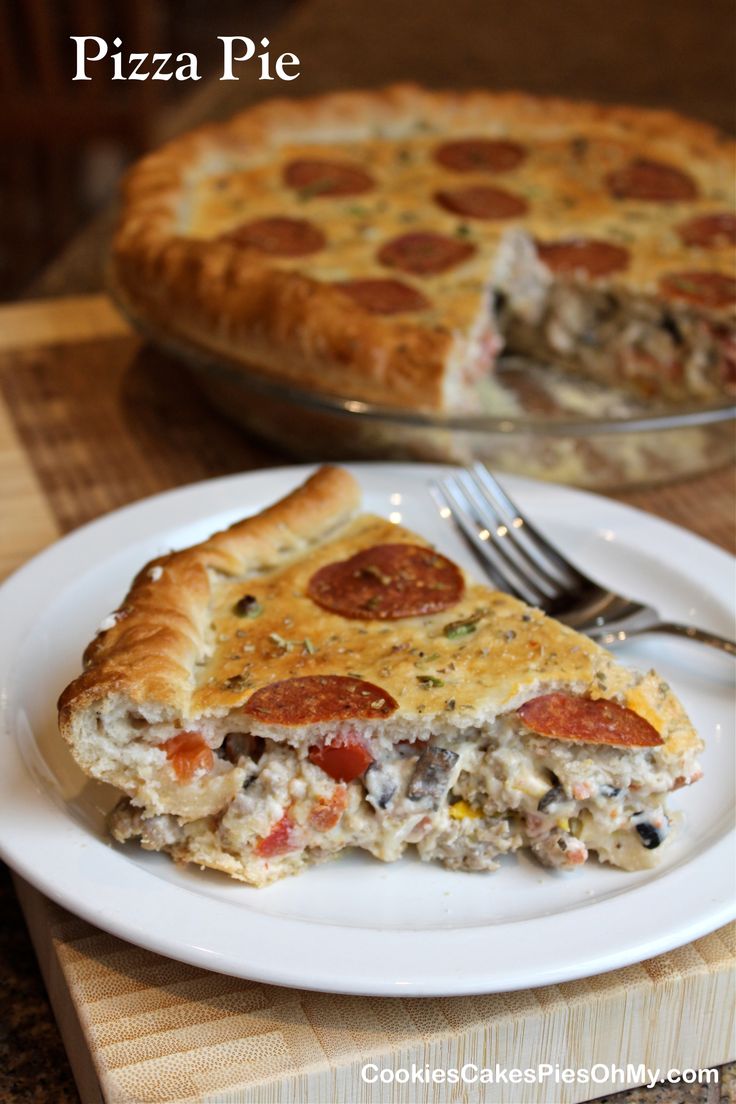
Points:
(357, 925)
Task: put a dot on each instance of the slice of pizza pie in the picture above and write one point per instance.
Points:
(310, 680)
(386, 245)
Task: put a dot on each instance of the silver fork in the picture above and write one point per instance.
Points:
(519, 560)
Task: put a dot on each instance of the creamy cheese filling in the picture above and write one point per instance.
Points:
(464, 800)
(645, 345)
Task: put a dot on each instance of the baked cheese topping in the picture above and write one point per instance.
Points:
(388, 244)
(433, 212)
(432, 662)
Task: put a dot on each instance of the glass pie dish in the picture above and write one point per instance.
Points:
(531, 420)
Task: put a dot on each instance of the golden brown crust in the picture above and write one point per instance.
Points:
(174, 272)
(282, 324)
(160, 630)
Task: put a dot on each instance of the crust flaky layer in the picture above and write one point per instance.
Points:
(179, 655)
(142, 667)
(176, 271)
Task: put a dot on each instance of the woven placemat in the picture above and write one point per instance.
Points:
(107, 421)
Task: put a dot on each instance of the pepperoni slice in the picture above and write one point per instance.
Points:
(707, 289)
(384, 296)
(424, 253)
(588, 256)
(480, 155)
(709, 231)
(312, 177)
(387, 582)
(312, 699)
(589, 721)
(652, 181)
(281, 237)
(482, 203)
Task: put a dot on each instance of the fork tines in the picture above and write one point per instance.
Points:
(516, 557)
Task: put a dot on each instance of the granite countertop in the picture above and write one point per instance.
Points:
(34, 1068)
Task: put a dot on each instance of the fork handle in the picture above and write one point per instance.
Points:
(690, 633)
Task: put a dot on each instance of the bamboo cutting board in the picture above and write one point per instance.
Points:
(159, 1032)
(88, 421)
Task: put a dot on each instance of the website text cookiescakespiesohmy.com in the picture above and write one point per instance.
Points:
(601, 1073)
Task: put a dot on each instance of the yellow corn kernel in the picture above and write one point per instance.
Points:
(564, 824)
(462, 811)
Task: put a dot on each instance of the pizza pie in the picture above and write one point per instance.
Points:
(387, 245)
(313, 679)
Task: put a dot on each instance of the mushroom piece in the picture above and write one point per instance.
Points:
(431, 777)
(381, 785)
(241, 745)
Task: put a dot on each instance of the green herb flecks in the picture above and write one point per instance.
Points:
(285, 645)
(684, 285)
(375, 573)
(248, 606)
(429, 680)
(456, 629)
(315, 188)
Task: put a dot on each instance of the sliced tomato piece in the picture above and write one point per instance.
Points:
(188, 753)
(328, 810)
(345, 759)
(279, 840)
